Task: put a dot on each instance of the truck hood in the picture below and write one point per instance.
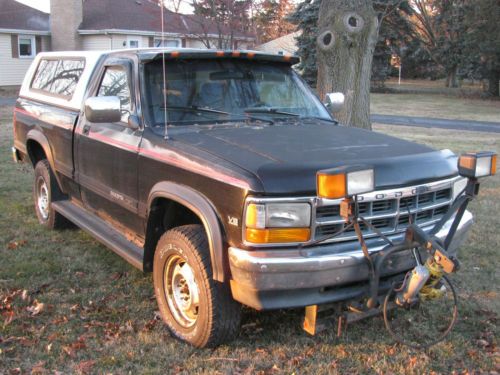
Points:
(286, 158)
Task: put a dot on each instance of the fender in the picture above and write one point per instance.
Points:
(202, 207)
(37, 136)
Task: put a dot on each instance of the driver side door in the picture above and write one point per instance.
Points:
(107, 153)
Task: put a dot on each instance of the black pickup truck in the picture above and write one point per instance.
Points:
(204, 168)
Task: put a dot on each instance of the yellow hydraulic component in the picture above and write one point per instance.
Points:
(429, 290)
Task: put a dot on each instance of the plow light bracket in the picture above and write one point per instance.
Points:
(477, 164)
(345, 182)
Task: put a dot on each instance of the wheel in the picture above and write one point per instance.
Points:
(45, 191)
(196, 308)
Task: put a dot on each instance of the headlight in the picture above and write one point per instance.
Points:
(479, 164)
(459, 187)
(345, 182)
(277, 222)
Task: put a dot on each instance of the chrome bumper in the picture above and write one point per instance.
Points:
(263, 278)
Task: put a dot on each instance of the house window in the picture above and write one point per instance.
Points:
(172, 43)
(27, 46)
(133, 42)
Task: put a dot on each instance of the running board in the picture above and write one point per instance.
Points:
(101, 231)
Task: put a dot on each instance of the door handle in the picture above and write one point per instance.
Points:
(86, 130)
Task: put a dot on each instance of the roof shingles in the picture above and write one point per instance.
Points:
(16, 16)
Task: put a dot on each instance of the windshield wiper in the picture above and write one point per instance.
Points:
(272, 111)
(235, 116)
(319, 118)
(194, 108)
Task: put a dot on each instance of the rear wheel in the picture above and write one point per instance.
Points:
(45, 191)
(195, 308)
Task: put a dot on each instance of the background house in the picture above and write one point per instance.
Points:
(285, 44)
(96, 25)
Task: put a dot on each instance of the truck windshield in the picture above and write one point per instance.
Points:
(223, 90)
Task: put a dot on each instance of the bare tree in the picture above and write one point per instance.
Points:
(221, 22)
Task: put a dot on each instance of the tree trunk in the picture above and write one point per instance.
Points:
(452, 77)
(493, 79)
(348, 32)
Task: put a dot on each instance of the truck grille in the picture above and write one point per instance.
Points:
(389, 211)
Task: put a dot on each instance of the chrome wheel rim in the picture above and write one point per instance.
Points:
(181, 291)
(43, 202)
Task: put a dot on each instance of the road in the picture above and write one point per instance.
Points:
(424, 122)
(428, 122)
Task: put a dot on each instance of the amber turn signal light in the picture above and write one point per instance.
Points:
(477, 164)
(278, 235)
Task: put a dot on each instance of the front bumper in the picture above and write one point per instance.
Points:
(272, 279)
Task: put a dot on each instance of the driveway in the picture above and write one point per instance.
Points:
(428, 122)
(7, 101)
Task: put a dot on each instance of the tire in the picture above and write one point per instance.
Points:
(209, 316)
(46, 191)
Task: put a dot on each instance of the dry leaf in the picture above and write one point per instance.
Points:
(16, 244)
(9, 317)
(412, 362)
(39, 368)
(24, 295)
(482, 343)
(128, 327)
(36, 309)
(116, 276)
(85, 367)
(60, 320)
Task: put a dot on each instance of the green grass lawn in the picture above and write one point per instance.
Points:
(68, 304)
(438, 106)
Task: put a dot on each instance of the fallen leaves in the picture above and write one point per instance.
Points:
(13, 245)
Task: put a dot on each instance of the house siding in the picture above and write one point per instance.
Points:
(13, 70)
(96, 42)
(110, 41)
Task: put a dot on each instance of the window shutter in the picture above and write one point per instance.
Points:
(151, 41)
(14, 45)
(38, 43)
(183, 43)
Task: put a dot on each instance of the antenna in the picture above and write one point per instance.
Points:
(165, 114)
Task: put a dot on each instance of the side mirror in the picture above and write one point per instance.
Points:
(101, 109)
(335, 101)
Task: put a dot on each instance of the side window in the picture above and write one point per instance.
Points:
(115, 83)
(44, 75)
(58, 77)
(66, 77)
